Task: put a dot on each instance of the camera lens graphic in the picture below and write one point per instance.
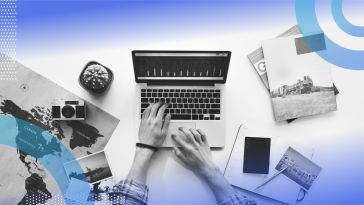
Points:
(68, 111)
(337, 55)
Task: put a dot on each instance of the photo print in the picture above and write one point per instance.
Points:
(300, 81)
(95, 168)
(298, 168)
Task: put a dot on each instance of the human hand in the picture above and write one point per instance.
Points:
(154, 125)
(195, 154)
(194, 151)
(152, 131)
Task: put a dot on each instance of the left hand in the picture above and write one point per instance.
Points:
(154, 125)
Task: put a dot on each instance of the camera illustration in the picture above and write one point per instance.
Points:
(69, 110)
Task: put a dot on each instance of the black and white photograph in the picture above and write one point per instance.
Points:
(298, 168)
(256, 57)
(300, 81)
(95, 168)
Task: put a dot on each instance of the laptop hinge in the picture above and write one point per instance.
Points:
(181, 83)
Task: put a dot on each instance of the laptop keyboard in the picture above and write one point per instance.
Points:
(185, 104)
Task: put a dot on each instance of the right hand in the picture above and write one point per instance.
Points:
(195, 154)
(194, 151)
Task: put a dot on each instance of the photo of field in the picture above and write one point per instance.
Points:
(294, 106)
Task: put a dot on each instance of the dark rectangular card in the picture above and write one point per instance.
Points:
(256, 155)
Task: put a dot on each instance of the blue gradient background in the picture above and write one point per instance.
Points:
(53, 27)
(60, 26)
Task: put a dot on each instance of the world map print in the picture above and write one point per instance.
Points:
(28, 101)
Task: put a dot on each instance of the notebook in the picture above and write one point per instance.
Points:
(300, 80)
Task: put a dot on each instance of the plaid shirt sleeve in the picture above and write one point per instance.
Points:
(238, 199)
(131, 193)
(134, 193)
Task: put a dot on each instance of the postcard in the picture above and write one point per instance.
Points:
(298, 168)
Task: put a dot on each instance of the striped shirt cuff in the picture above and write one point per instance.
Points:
(238, 199)
(134, 190)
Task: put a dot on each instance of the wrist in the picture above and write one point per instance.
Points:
(143, 154)
(218, 184)
(147, 146)
(210, 172)
(140, 166)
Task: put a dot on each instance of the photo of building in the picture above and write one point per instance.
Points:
(298, 168)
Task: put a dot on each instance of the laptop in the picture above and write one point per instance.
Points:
(192, 82)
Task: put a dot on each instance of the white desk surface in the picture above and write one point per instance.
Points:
(337, 137)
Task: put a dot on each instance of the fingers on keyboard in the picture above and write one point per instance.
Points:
(185, 104)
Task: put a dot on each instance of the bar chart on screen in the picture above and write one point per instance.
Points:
(180, 66)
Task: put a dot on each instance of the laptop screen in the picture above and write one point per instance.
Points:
(181, 66)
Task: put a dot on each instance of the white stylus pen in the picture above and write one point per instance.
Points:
(271, 178)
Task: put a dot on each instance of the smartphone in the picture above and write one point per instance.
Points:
(256, 155)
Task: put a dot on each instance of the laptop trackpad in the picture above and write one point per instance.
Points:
(173, 129)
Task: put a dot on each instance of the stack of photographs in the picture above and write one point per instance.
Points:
(294, 96)
(94, 171)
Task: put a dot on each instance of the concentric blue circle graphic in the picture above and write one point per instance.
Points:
(16, 137)
(342, 22)
(337, 55)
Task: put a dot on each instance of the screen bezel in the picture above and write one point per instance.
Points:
(183, 82)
